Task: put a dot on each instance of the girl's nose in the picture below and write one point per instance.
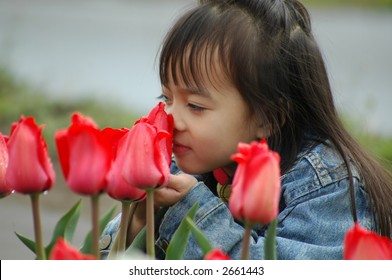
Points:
(179, 123)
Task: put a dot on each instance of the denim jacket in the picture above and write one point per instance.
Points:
(315, 213)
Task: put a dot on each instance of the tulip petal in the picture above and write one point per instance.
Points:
(117, 187)
(89, 163)
(236, 196)
(163, 122)
(141, 171)
(161, 156)
(263, 193)
(63, 150)
(5, 188)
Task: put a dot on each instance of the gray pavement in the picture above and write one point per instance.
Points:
(16, 216)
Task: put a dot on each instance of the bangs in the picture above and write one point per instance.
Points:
(203, 43)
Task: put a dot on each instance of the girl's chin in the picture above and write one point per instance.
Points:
(189, 167)
(191, 170)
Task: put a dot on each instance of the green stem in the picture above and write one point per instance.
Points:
(150, 238)
(95, 224)
(125, 204)
(246, 241)
(39, 245)
(270, 242)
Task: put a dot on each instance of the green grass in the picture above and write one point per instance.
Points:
(379, 146)
(18, 98)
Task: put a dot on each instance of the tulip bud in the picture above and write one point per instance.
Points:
(361, 244)
(85, 155)
(256, 185)
(145, 164)
(29, 168)
(216, 254)
(64, 251)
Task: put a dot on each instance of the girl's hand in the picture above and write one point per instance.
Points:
(179, 186)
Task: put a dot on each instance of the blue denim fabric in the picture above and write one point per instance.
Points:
(315, 214)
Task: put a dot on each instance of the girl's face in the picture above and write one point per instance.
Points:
(209, 122)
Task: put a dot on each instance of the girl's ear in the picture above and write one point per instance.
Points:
(267, 128)
(263, 131)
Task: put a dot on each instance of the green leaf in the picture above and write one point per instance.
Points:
(87, 247)
(201, 239)
(65, 227)
(177, 246)
(26, 241)
(270, 242)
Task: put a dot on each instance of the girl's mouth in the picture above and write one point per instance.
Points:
(180, 149)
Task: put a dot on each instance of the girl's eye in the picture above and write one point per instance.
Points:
(163, 98)
(195, 107)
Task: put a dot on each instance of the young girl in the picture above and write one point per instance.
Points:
(238, 71)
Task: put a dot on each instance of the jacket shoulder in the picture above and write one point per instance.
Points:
(315, 169)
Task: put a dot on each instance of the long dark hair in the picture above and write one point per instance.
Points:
(267, 49)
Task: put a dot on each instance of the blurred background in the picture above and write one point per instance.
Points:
(98, 57)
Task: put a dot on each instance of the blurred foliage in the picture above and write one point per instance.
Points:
(18, 98)
(358, 3)
(379, 146)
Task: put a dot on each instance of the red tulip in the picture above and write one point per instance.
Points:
(29, 167)
(163, 121)
(145, 164)
(85, 154)
(117, 187)
(256, 185)
(361, 244)
(5, 188)
(216, 254)
(63, 251)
